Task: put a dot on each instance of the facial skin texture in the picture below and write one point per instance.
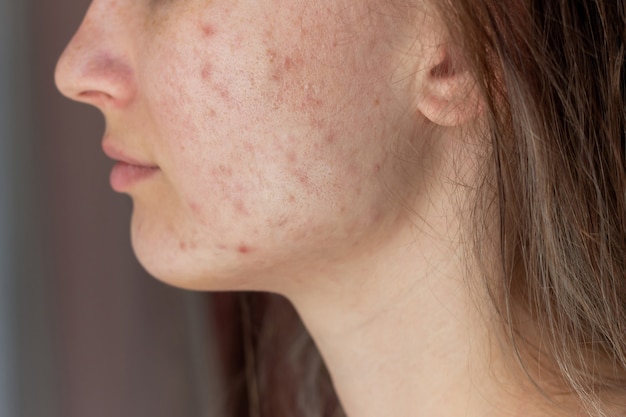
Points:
(276, 127)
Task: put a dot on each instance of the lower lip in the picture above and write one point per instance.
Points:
(124, 176)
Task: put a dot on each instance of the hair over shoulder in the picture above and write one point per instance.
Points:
(552, 74)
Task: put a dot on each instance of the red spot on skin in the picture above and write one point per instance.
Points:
(291, 157)
(240, 207)
(292, 198)
(288, 64)
(303, 178)
(208, 30)
(331, 137)
(377, 168)
(195, 208)
(223, 92)
(243, 249)
(182, 246)
(207, 71)
(249, 147)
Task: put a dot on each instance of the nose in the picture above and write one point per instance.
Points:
(95, 68)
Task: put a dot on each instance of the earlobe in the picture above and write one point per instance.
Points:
(449, 94)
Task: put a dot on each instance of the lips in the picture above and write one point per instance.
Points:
(129, 170)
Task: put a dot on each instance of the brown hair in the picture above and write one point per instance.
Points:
(553, 78)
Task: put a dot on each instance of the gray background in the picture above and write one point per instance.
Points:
(84, 332)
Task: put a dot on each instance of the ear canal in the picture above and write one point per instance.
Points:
(449, 95)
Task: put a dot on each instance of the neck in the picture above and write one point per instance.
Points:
(405, 330)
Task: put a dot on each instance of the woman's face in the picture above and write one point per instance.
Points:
(267, 133)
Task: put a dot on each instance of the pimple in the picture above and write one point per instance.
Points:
(207, 30)
(244, 249)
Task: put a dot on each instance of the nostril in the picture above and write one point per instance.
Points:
(99, 78)
(94, 95)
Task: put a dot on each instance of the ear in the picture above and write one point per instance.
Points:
(449, 95)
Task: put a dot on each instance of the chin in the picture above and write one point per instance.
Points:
(186, 271)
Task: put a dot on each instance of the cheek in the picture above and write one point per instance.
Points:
(258, 134)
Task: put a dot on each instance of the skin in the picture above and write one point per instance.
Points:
(272, 140)
(317, 150)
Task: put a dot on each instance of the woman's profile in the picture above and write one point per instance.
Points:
(438, 187)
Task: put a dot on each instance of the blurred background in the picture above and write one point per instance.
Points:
(84, 332)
